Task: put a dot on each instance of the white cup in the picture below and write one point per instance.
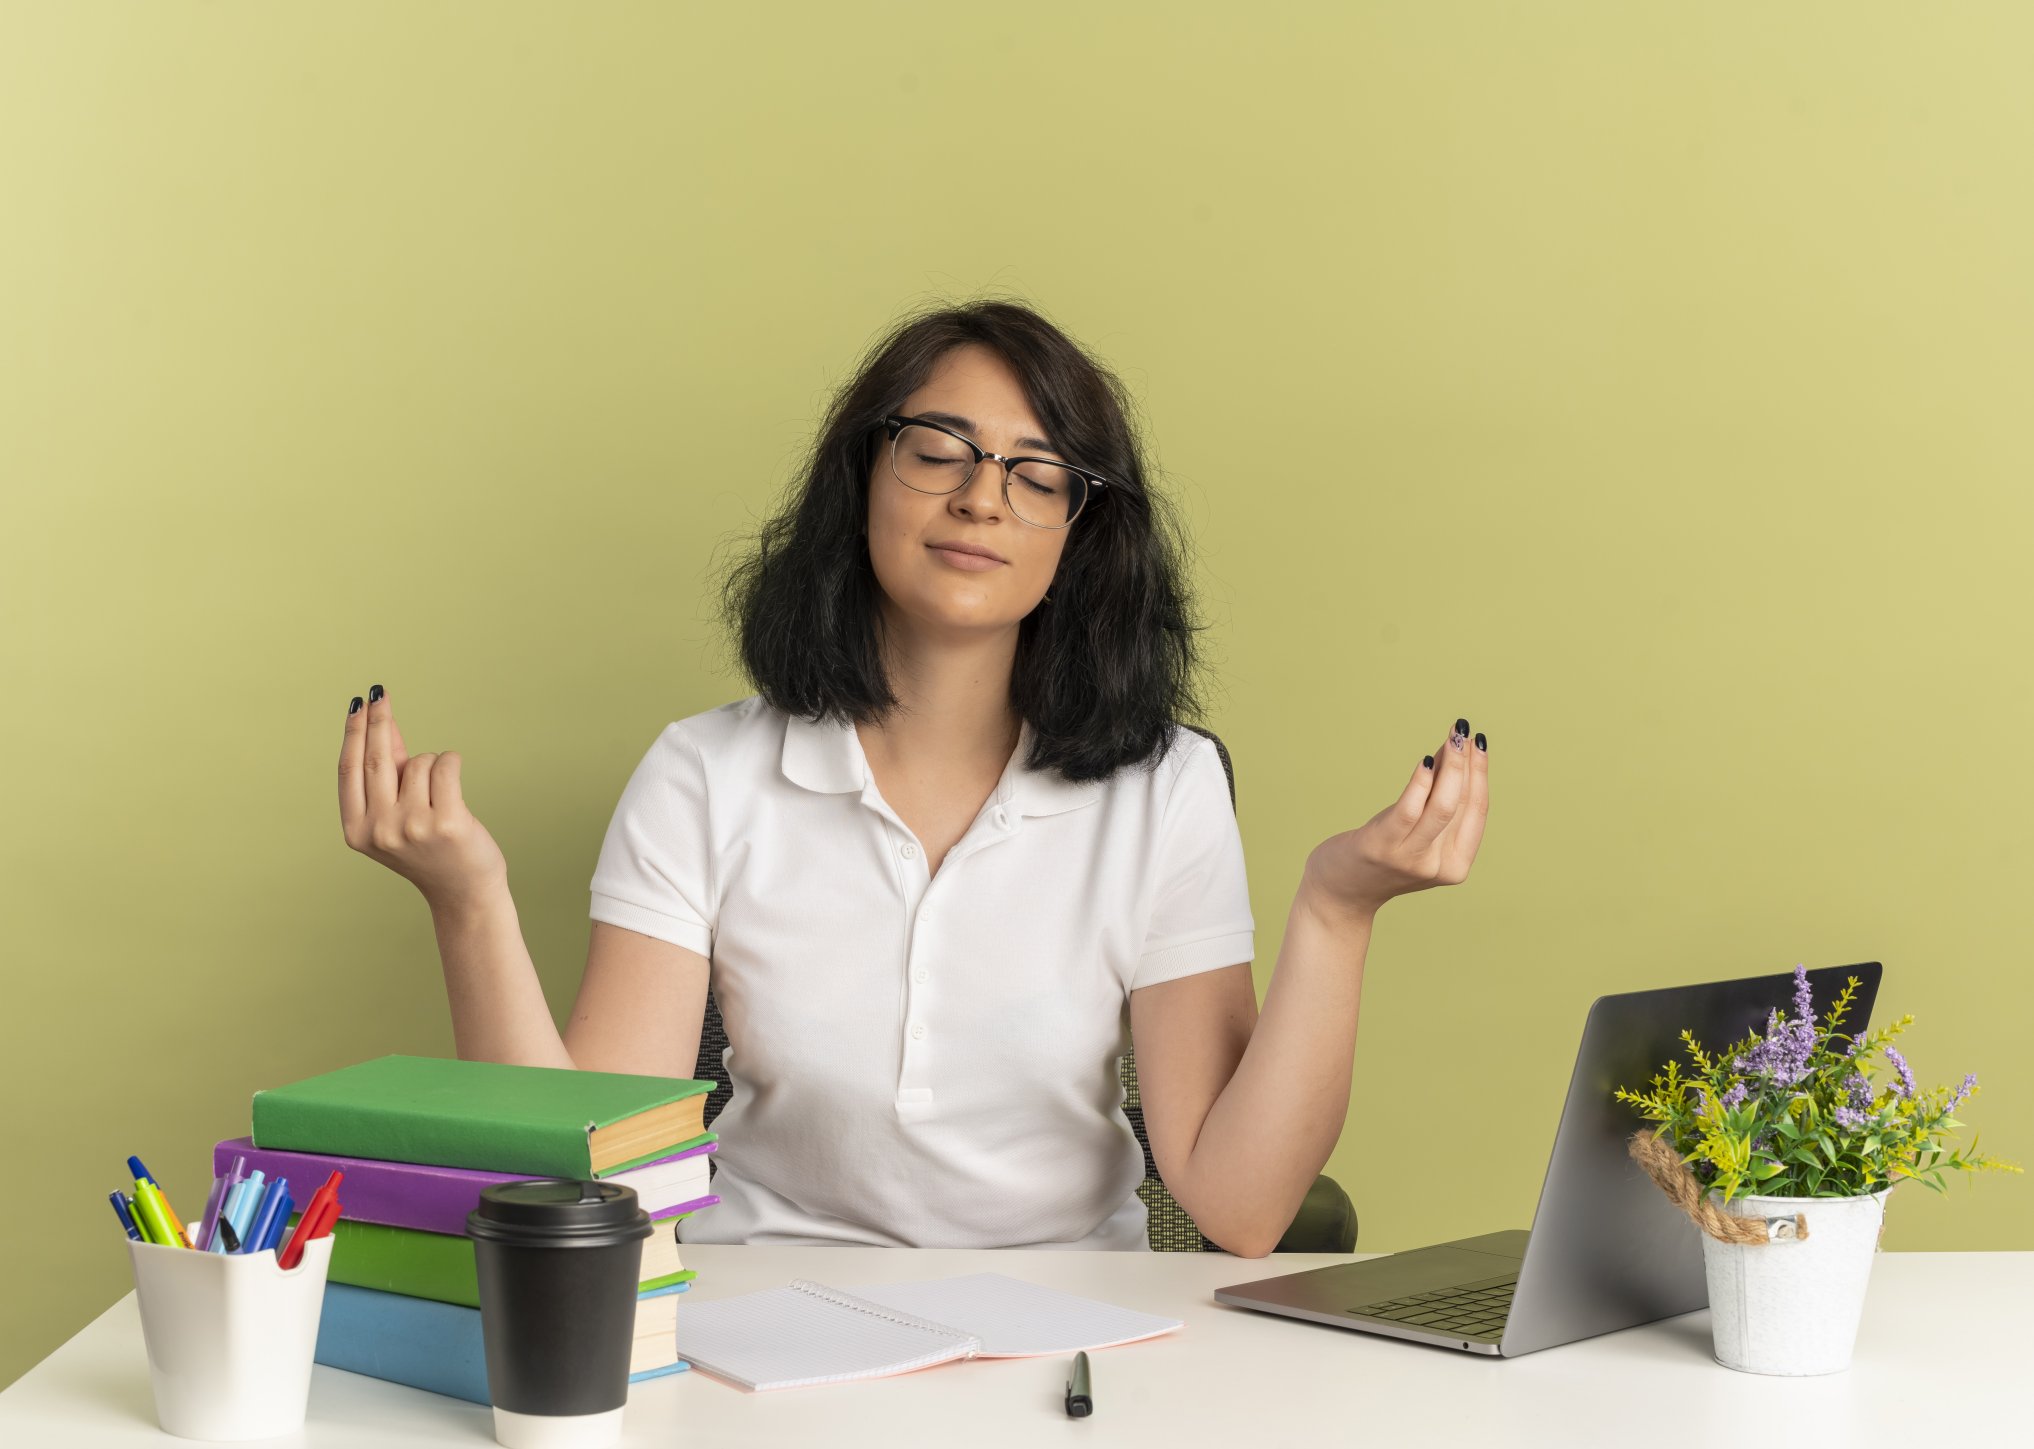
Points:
(230, 1337)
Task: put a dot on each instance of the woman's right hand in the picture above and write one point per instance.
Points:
(406, 810)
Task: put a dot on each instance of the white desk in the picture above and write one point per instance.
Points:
(1943, 1352)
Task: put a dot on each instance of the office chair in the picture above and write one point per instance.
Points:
(1325, 1223)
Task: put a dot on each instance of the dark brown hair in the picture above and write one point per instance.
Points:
(1100, 671)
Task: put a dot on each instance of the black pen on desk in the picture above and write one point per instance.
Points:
(1080, 1398)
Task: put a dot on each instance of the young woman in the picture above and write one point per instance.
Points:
(958, 829)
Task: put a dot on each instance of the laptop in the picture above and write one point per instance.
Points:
(1606, 1250)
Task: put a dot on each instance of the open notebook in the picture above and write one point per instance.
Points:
(807, 1333)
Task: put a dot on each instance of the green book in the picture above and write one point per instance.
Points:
(542, 1121)
(417, 1264)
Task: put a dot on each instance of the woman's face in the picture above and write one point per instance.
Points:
(910, 533)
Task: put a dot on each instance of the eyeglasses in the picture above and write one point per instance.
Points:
(1043, 492)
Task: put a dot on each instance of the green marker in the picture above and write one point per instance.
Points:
(148, 1215)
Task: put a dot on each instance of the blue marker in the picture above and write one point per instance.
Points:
(126, 1218)
(257, 1233)
(239, 1209)
(134, 1164)
(279, 1223)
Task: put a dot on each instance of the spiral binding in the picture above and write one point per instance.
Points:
(891, 1315)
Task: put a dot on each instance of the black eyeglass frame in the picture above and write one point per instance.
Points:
(894, 424)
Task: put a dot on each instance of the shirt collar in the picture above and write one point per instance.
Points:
(826, 755)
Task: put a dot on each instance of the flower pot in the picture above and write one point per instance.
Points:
(1791, 1306)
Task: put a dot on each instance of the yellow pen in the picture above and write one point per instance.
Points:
(149, 1216)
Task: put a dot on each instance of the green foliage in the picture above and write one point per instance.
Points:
(1794, 1111)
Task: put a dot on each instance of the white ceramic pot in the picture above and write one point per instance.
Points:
(229, 1337)
(1791, 1306)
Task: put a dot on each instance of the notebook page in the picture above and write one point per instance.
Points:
(787, 1338)
(1015, 1319)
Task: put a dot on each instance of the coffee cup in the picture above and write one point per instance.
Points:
(559, 1264)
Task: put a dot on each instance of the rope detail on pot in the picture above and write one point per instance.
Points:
(1665, 1167)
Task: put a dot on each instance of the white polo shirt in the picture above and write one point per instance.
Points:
(922, 1060)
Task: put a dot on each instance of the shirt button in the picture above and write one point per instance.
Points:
(920, 975)
(908, 850)
(918, 1031)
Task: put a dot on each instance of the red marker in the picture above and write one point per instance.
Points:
(326, 1220)
(315, 1221)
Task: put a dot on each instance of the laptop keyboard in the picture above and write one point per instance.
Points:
(1466, 1310)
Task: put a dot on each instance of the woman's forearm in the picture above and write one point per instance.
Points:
(1271, 1130)
(499, 1013)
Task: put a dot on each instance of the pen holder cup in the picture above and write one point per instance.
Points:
(229, 1337)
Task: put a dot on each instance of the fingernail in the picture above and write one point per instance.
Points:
(1462, 728)
(1481, 743)
(373, 693)
(354, 708)
(1428, 761)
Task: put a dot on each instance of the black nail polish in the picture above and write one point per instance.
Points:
(1482, 744)
(1428, 761)
(354, 708)
(373, 693)
(1461, 726)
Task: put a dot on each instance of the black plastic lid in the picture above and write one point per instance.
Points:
(558, 1210)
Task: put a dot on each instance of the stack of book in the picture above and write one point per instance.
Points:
(417, 1139)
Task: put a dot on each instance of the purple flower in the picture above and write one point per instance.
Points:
(1969, 1085)
(1734, 1098)
(1906, 1087)
(1783, 1055)
(1851, 1113)
(1804, 999)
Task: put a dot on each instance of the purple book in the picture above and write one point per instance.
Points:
(434, 1199)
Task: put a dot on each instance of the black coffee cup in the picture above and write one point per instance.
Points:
(559, 1263)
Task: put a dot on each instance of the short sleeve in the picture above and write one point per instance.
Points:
(1200, 918)
(655, 873)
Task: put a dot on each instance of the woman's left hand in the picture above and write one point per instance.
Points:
(1427, 837)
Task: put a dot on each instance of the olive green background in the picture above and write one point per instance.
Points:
(1646, 382)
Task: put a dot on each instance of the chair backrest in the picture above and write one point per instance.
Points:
(1168, 1227)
